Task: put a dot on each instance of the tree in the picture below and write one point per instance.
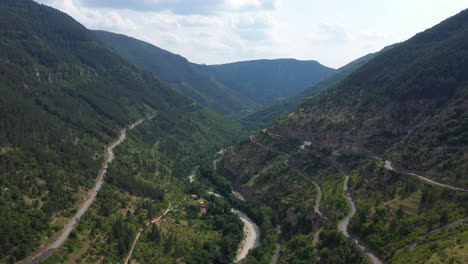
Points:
(400, 212)
(324, 253)
(169, 244)
(444, 217)
(155, 235)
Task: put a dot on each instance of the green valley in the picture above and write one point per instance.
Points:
(64, 97)
(113, 150)
(230, 89)
(405, 106)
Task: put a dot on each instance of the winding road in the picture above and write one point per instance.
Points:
(193, 174)
(318, 198)
(388, 166)
(215, 162)
(137, 237)
(276, 255)
(251, 230)
(344, 223)
(435, 231)
(446, 227)
(253, 140)
(49, 250)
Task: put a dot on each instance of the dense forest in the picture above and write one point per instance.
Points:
(142, 184)
(370, 167)
(264, 116)
(231, 89)
(64, 97)
(180, 73)
(267, 81)
(387, 140)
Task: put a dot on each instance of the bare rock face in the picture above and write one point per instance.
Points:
(420, 135)
(230, 164)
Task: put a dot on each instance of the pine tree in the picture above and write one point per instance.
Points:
(169, 244)
(155, 235)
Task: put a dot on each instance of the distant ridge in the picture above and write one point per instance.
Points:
(231, 89)
(179, 73)
(267, 81)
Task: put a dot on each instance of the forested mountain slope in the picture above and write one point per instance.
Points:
(267, 81)
(63, 97)
(370, 144)
(409, 103)
(230, 89)
(180, 73)
(263, 116)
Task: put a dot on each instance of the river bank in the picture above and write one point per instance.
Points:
(251, 236)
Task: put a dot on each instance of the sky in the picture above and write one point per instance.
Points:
(333, 32)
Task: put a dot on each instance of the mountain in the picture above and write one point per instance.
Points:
(265, 115)
(230, 89)
(267, 81)
(178, 72)
(374, 169)
(381, 157)
(407, 103)
(64, 97)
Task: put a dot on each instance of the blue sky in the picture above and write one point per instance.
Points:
(333, 32)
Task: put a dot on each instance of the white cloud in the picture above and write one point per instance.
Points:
(203, 7)
(253, 27)
(236, 32)
(255, 20)
(175, 6)
(372, 36)
(239, 5)
(254, 35)
(219, 31)
(102, 19)
(330, 33)
(198, 20)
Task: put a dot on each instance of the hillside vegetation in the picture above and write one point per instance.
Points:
(406, 105)
(179, 72)
(64, 97)
(267, 81)
(371, 166)
(265, 115)
(230, 89)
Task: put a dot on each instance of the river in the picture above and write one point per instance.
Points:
(251, 230)
(251, 236)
